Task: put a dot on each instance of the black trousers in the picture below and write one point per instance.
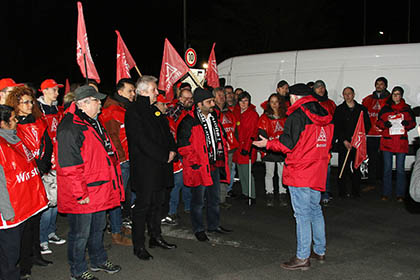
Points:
(375, 165)
(355, 176)
(30, 246)
(147, 210)
(10, 240)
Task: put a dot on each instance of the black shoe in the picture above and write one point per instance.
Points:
(201, 236)
(39, 261)
(232, 194)
(143, 254)
(225, 229)
(160, 242)
(283, 199)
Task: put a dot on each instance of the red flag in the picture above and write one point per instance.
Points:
(125, 61)
(172, 69)
(212, 75)
(67, 88)
(83, 52)
(358, 141)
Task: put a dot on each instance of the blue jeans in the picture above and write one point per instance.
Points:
(86, 230)
(47, 225)
(310, 223)
(115, 214)
(211, 193)
(232, 176)
(326, 195)
(186, 194)
(401, 177)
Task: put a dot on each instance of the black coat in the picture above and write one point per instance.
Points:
(345, 121)
(149, 143)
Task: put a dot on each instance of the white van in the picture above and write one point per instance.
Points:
(357, 67)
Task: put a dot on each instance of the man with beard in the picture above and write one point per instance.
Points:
(203, 148)
(112, 117)
(175, 114)
(374, 103)
(152, 149)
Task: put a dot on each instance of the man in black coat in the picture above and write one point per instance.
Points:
(345, 120)
(152, 149)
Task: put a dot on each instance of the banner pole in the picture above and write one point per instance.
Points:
(344, 164)
(138, 71)
(86, 71)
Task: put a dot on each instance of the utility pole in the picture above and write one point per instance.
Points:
(364, 22)
(185, 25)
(409, 22)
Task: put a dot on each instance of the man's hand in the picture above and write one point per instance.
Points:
(84, 201)
(347, 144)
(261, 143)
(171, 156)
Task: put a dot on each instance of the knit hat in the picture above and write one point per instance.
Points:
(201, 94)
(319, 83)
(300, 89)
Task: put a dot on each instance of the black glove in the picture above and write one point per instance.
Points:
(388, 124)
(405, 123)
(195, 166)
(244, 152)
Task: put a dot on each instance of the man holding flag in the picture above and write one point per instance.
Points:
(351, 120)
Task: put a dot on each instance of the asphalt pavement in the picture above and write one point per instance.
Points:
(366, 239)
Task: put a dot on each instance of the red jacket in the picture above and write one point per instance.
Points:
(374, 105)
(192, 147)
(328, 105)
(270, 128)
(52, 121)
(306, 141)
(246, 131)
(228, 121)
(24, 185)
(173, 126)
(31, 135)
(395, 143)
(86, 166)
(112, 117)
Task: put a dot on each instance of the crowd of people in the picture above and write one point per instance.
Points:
(126, 159)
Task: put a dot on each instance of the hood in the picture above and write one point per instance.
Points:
(9, 135)
(311, 107)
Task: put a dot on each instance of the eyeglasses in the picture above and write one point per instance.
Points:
(27, 102)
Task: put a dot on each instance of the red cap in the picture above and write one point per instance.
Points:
(50, 83)
(161, 99)
(7, 82)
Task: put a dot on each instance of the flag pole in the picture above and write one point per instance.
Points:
(86, 71)
(344, 164)
(138, 71)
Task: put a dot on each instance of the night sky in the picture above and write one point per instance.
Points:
(39, 37)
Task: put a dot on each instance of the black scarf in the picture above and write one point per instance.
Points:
(215, 153)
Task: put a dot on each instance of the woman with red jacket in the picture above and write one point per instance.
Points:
(395, 119)
(271, 126)
(246, 131)
(32, 129)
(22, 193)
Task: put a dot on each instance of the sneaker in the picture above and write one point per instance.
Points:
(56, 240)
(169, 220)
(325, 202)
(108, 267)
(45, 250)
(85, 276)
(127, 223)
